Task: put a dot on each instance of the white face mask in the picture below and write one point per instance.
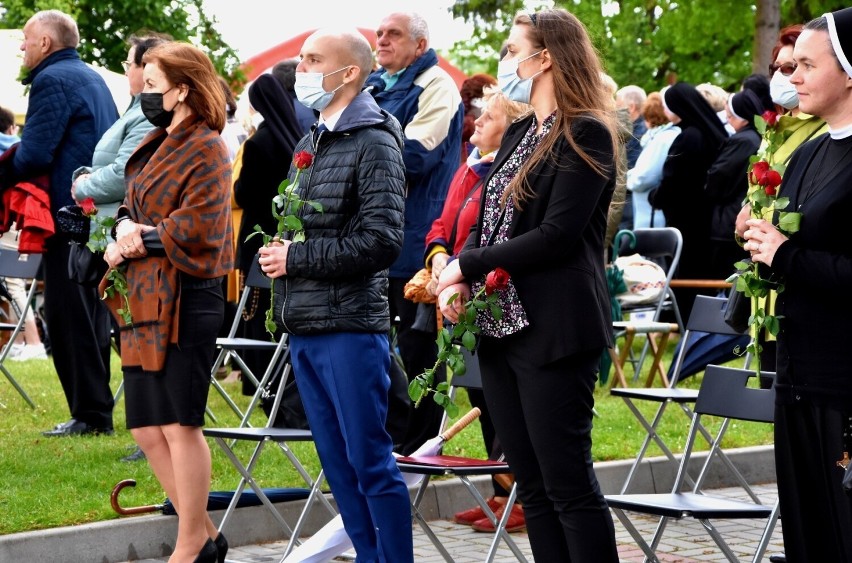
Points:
(513, 86)
(309, 90)
(782, 91)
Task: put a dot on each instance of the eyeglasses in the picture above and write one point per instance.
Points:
(126, 65)
(533, 17)
(786, 69)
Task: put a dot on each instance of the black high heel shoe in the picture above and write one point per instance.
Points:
(208, 553)
(222, 546)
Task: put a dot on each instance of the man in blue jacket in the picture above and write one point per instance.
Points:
(426, 102)
(69, 109)
(330, 289)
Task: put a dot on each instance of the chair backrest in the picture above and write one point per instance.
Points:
(663, 244)
(16, 265)
(707, 316)
(725, 392)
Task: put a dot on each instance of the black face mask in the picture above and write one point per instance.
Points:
(152, 108)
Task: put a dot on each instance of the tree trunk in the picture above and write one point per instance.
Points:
(767, 23)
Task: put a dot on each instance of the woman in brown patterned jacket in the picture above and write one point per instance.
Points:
(174, 237)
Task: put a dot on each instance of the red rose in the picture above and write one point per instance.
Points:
(770, 190)
(303, 159)
(772, 179)
(88, 206)
(758, 170)
(496, 280)
(770, 117)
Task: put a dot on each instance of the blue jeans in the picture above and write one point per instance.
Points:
(343, 379)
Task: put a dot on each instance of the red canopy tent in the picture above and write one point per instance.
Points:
(260, 63)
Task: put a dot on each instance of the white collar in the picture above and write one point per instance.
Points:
(842, 133)
(331, 121)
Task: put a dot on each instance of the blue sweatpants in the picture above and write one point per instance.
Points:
(343, 381)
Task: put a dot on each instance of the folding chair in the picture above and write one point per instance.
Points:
(724, 393)
(22, 266)
(663, 246)
(707, 317)
(232, 345)
(226, 438)
(464, 468)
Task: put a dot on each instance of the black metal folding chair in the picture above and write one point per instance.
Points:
(707, 317)
(724, 393)
(23, 266)
(231, 346)
(464, 468)
(226, 438)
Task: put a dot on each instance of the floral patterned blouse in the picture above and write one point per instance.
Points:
(495, 230)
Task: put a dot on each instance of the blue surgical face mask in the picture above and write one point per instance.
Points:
(513, 86)
(782, 91)
(309, 90)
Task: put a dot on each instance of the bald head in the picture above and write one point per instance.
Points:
(342, 47)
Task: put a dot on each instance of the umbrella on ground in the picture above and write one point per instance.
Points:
(331, 540)
(217, 500)
(615, 284)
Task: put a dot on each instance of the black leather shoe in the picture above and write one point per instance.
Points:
(137, 455)
(208, 553)
(221, 546)
(780, 558)
(75, 428)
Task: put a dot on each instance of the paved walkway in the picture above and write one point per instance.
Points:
(684, 541)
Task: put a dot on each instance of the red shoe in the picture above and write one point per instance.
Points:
(515, 523)
(471, 515)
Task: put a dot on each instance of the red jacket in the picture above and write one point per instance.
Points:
(461, 195)
(28, 205)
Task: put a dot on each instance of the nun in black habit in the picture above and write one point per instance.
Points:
(727, 182)
(681, 191)
(814, 381)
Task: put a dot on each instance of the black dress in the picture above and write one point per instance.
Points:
(814, 382)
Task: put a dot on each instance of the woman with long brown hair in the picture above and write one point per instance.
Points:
(174, 234)
(542, 218)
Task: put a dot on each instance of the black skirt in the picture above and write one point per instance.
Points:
(178, 393)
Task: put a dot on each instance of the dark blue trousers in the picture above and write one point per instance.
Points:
(343, 379)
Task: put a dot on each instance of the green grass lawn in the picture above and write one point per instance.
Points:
(49, 482)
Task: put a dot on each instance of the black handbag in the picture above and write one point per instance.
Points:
(73, 223)
(737, 310)
(84, 266)
(426, 319)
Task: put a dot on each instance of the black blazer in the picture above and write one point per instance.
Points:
(555, 252)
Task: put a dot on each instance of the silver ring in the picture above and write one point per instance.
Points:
(125, 248)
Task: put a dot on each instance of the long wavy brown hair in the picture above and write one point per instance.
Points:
(579, 90)
(183, 63)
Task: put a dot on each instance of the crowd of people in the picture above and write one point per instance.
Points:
(522, 171)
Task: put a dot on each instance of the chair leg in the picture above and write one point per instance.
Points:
(650, 556)
(767, 533)
(17, 387)
(723, 546)
(503, 534)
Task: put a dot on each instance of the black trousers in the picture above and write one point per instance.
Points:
(816, 513)
(78, 324)
(419, 352)
(543, 418)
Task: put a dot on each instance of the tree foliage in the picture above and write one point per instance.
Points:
(106, 25)
(646, 42)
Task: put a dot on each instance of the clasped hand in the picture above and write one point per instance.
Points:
(451, 282)
(273, 258)
(128, 243)
(762, 240)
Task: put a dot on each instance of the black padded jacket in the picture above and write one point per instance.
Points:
(337, 277)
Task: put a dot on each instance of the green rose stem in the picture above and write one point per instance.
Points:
(463, 334)
(285, 209)
(97, 243)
